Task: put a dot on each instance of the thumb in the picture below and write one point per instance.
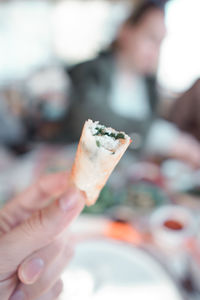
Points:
(39, 230)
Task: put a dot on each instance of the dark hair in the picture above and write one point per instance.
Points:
(137, 15)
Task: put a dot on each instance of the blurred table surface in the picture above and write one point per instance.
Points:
(18, 173)
(89, 228)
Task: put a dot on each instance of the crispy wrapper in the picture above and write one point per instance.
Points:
(93, 165)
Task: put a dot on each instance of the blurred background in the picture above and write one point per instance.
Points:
(133, 65)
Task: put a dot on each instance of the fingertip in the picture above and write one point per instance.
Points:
(58, 215)
(30, 271)
(73, 198)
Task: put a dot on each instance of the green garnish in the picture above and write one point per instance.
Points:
(101, 131)
(98, 144)
(120, 136)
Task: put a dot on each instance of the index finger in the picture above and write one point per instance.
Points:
(41, 229)
(34, 198)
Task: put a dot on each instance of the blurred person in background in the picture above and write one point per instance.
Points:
(185, 111)
(47, 91)
(33, 112)
(12, 131)
(119, 88)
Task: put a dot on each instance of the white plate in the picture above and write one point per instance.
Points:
(104, 269)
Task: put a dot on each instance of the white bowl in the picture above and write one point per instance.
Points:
(170, 238)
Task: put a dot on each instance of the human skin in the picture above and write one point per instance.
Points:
(34, 241)
(139, 45)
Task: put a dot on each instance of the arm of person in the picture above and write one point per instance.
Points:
(184, 111)
(166, 139)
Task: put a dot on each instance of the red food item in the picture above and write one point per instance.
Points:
(173, 225)
(124, 232)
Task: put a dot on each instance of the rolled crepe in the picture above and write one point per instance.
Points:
(99, 151)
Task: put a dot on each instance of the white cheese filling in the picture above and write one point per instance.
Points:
(107, 142)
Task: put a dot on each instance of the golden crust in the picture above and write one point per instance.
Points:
(93, 166)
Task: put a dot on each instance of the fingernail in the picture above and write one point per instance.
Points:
(18, 295)
(31, 270)
(70, 200)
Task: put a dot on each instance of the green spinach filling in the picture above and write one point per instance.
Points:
(98, 144)
(101, 131)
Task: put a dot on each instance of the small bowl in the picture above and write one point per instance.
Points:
(171, 226)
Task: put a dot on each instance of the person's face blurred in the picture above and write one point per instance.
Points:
(141, 43)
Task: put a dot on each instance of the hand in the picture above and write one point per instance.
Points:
(187, 149)
(34, 247)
